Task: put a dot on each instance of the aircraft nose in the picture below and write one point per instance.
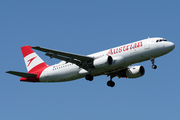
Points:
(171, 46)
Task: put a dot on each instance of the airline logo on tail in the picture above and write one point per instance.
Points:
(30, 60)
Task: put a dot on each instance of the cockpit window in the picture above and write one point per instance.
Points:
(160, 40)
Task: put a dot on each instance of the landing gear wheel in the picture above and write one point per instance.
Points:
(111, 83)
(154, 66)
(89, 77)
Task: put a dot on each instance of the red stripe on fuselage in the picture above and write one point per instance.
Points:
(32, 79)
(36, 70)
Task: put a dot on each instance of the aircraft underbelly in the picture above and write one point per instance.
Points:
(59, 75)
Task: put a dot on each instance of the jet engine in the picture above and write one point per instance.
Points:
(101, 62)
(135, 71)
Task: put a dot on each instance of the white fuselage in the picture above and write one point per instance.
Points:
(123, 56)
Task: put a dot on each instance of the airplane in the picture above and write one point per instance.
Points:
(113, 62)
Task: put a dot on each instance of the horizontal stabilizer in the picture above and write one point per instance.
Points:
(21, 74)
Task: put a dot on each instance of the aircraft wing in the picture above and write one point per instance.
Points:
(79, 60)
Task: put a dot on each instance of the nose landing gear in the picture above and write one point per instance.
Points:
(153, 61)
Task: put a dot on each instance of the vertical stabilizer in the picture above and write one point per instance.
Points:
(34, 63)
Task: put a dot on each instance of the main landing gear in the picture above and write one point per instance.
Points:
(111, 83)
(89, 77)
(153, 61)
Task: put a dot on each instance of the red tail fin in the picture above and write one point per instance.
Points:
(33, 62)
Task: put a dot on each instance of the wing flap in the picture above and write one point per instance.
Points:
(21, 74)
(67, 59)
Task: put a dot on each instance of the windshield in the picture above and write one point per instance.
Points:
(161, 40)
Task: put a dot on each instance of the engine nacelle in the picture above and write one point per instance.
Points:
(103, 62)
(135, 71)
